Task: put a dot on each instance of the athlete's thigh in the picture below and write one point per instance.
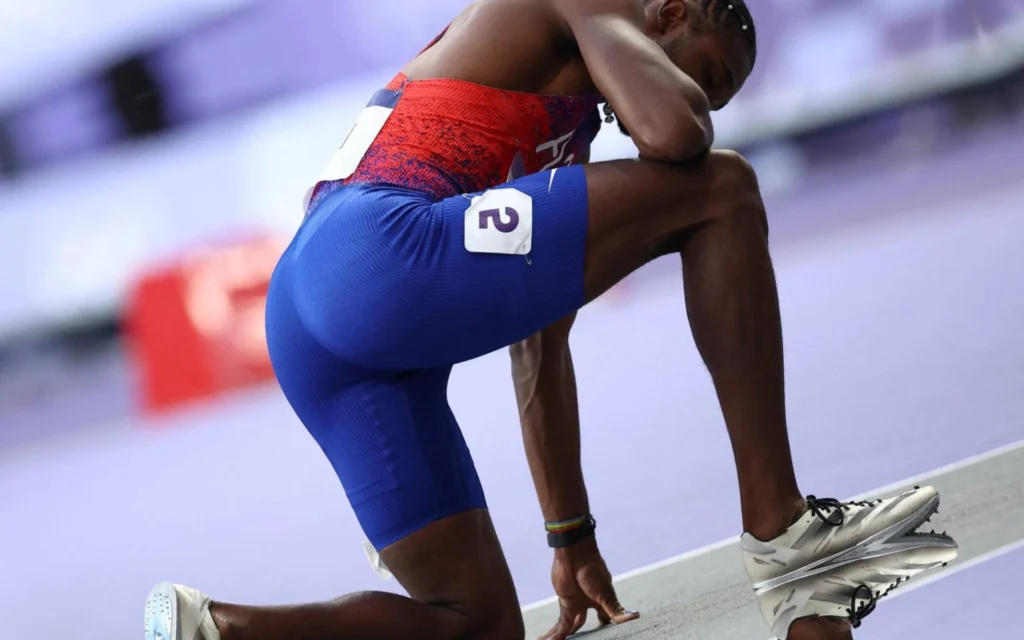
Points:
(516, 259)
(530, 252)
(395, 445)
(409, 476)
(639, 209)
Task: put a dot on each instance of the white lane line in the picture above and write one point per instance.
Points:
(949, 468)
(957, 568)
(941, 471)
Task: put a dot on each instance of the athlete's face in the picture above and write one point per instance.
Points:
(717, 57)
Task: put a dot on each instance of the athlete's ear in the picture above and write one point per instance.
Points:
(673, 14)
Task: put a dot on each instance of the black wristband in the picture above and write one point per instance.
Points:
(562, 539)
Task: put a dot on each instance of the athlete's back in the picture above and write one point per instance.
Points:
(444, 127)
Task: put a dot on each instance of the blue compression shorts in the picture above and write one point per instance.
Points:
(381, 291)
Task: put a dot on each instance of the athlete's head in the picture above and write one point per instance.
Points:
(712, 41)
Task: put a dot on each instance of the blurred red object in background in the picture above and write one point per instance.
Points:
(196, 326)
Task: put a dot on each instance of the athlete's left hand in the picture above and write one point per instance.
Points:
(582, 582)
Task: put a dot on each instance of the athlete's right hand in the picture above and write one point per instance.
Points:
(582, 582)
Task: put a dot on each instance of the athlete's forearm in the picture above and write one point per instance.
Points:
(545, 385)
(666, 111)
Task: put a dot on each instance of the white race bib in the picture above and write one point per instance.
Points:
(366, 129)
(500, 221)
(346, 159)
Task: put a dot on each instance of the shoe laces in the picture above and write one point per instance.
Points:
(858, 612)
(832, 512)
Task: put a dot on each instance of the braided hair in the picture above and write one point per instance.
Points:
(736, 12)
(723, 13)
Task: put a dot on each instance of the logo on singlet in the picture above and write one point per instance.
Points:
(558, 147)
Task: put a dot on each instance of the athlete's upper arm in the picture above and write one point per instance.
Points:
(666, 113)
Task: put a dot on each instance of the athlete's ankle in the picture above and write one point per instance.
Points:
(771, 523)
(820, 629)
(226, 622)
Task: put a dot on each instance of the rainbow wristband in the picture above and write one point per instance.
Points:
(570, 532)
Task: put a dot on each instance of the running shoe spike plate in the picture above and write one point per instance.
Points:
(853, 590)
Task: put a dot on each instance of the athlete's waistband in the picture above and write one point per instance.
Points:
(344, 189)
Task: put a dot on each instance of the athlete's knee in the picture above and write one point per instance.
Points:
(493, 613)
(490, 621)
(506, 623)
(735, 187)
(731, 168)
(732, 175)
(512, 626)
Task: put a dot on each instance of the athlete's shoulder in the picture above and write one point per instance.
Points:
(520, 19)
(519, 45)
(575, 11)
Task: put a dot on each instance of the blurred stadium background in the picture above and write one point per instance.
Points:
(153, 156)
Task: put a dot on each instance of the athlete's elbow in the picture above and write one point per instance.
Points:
(679, 140)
